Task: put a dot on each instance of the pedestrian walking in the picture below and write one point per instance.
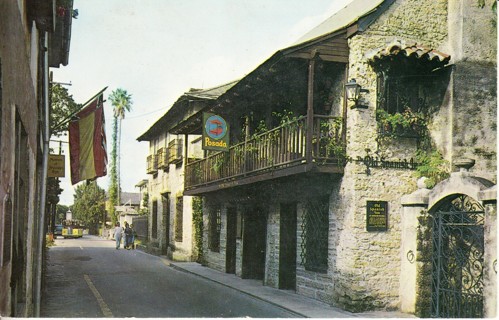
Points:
(134, 234)
(128, 236)
(117, 234)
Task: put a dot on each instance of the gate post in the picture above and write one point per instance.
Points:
(489, 201)
(412, 205)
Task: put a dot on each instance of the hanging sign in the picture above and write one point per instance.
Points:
(56, 168)
(215, 133)
(377, 216)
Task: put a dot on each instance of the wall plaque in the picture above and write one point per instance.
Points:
(377, 216)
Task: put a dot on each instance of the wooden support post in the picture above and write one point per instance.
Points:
(345, 108)
(310, 107)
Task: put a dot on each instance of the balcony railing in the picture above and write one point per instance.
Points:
(279, 148)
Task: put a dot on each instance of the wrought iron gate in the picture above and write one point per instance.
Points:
(457, 263)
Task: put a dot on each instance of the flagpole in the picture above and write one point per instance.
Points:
(68, 118)
(91, 99)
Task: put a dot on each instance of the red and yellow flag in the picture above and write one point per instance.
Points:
(87, 143)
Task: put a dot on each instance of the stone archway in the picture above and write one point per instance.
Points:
(427, 210)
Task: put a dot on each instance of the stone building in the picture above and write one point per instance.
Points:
(370, 194)
(170, 220)
(34, 35)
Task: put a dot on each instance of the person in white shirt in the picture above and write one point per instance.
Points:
(117, 234)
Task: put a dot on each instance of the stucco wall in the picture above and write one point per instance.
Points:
(19, 74)
(171, 183)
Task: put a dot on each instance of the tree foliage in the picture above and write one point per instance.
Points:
(60, 213)
(145, 204)
(122, 103)
(89, 205)
(63, 106)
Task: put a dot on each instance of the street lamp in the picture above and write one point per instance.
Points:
(353, 90)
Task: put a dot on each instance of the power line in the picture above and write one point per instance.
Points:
(145, 114)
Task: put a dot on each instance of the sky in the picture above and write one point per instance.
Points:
(159, 49)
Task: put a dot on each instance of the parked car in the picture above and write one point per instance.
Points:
(57, 230)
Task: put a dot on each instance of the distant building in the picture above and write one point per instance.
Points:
(171, 229)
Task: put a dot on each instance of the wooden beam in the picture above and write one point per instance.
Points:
(325, 57)
(270, 175)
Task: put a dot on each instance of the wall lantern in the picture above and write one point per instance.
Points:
(353, 90)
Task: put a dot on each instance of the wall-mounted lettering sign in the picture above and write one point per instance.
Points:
(215, 133)
(377, 216)
(56, 166)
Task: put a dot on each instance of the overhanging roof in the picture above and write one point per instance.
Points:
(330, 37)
(415, 51)
(361, 12)
(185, 108)
(328, 40)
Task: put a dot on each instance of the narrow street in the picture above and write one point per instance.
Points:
(88, 277)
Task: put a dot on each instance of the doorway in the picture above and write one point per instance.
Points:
(287, 246)
(254, 243)
(165, 204)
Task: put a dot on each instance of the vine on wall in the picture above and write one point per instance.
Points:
(424, 265)
(431, 163)
(197, 221)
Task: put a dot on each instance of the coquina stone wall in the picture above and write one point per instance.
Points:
(272, 249)
(367, 267)
(212, 259)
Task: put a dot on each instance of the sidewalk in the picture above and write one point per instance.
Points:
(288, 300)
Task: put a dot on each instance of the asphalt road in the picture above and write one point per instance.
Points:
(88, 277)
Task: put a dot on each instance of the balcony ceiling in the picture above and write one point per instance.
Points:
(60, 38)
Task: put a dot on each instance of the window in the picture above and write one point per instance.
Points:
(179, 219)
(214, 227)
(397, 93)
(409, 77)
(315, 231)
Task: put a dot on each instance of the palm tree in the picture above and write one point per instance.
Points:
(122, 103)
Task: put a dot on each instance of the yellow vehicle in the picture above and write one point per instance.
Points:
(72, 229)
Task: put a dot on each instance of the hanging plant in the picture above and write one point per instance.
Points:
(407, 123)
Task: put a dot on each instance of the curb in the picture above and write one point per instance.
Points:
(176, 267)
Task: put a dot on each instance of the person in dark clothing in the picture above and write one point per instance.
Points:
(134, 235)
(128, 236)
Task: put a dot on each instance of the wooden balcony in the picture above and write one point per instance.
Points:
(279, 152)
(152, 164)
(162, 156)
(175, 151)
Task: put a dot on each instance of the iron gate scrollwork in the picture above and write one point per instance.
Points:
(458, 259)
